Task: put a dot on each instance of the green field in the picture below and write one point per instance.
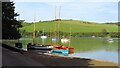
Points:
(75, 25)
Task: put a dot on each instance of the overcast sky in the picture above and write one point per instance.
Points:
(88, 10)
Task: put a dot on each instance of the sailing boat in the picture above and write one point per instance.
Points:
(61, 48)
(38, 46)
(43, 37)
(58, 48)
(54, 39)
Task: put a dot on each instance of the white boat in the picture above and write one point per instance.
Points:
(110, 40)
(65, 40)
(54, 39)
(93, 36)
(43, 37)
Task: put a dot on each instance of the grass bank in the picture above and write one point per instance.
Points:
(76, 26)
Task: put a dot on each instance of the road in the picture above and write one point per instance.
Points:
(11, 58)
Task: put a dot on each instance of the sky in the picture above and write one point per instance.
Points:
(100, 11)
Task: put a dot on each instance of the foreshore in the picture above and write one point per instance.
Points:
(54, 60)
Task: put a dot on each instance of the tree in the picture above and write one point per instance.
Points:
(10, 25)
(104, 32)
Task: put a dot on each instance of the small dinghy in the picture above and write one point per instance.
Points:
(60, 49)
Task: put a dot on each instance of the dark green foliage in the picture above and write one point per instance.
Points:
(9, 23)
(67, 34)
(104, 32)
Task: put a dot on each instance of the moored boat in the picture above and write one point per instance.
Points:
(39, 47)
(110, 40)
(58, 47)
(61, 51)
(62, 48)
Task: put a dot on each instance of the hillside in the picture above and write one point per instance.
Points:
(76, 26)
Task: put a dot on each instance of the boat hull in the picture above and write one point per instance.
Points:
(71, 50)
(43, 51)
(61, 51)
(61, 47)
(40, 47)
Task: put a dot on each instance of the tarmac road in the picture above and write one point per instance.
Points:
(11, 58)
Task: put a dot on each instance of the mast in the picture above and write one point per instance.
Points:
(34, 30)
(59, 27)
(70, 37)
(55, 24)
(43, 42)
(50, 37)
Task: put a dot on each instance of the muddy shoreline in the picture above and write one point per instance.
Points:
(54, 60)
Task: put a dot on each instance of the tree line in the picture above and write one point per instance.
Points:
(67, 34)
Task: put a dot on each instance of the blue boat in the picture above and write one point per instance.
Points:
(60, 54)
(61, 51)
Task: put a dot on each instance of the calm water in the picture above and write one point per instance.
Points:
(95, 48)
(99, 55)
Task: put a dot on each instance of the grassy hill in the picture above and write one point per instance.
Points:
(76, 26)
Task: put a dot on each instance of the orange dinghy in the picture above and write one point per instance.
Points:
(61, 47)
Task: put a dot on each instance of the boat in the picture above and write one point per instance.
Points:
(43, 51)
(71, 49)
(60, 54)
(110, 40)
(39, 47)
(60, 49)
(63, 49)
(43, 37)
(42, 46)
(54, 39)
(65, 40)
